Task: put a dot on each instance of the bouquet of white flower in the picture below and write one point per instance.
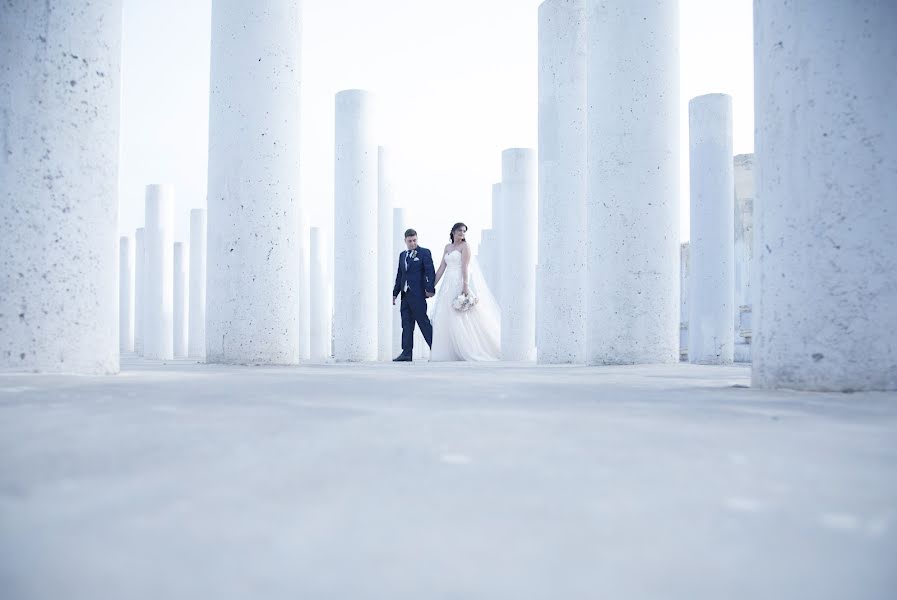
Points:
(464, 302)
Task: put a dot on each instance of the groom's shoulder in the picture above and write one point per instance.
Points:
(424, 250)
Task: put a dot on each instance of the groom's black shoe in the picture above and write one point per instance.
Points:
(403, 357)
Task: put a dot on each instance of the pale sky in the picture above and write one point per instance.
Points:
(456, 84)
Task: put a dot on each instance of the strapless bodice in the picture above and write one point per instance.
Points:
(453, 259)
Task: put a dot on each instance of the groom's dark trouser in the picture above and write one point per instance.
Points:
(414, 310)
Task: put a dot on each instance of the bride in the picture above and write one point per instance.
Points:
(472, 334)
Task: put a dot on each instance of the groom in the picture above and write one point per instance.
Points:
(416, 281)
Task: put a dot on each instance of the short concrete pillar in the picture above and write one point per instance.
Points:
(385, 260)
(59, 125)
(562, 181)
(355, 272)
(180, 301)
(196, 320)
(744, 252)
(254, 240)
(158, 315)
(519, 248)
(399, 225)
(825, 218)
(711, 337)
(319, 302)
(125, 294)
(633, 182)
(139, 287)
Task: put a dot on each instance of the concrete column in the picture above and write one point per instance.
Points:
(139, 288)
(633, 182)
(196, 321)
(711, 337)
(495, 285)
(59, 124)
(158, 307)
(180, 301)
(519, 248)
(485, 253)
(254, 216)
(385, 260)
(125, 295)
(158, 325)
(399, 225)
(744, 252)
(303, 261)
(826, 144)
(683, 303)
(355, 326)
(562, 181)
(320, 346)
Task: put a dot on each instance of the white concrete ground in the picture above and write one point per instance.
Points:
(420, 481)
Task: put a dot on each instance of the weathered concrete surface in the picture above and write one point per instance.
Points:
(442, 481)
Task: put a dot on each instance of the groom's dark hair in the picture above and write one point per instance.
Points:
(410, 233)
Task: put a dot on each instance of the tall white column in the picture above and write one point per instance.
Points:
(303, 260)
(158, 325)
(180, 301)
(125, 295)
(485, 252)
(399, 225)
(254, 216)
(385, 259)
(196, 320)
(495, 285)
(683, 302)
(59, 123)
(633, 182)
(826, 145)
(711, 337)
(562, 181)
(320, 346)
(744, 252)
(519, 248)
(139, 288)
(355, 229)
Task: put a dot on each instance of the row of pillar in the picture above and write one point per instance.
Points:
(162, 284)
(826, 168)
(815, 300)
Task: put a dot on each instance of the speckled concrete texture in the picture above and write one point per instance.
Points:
(254, 215)
(59, 124)
(712, 245)
(520, 207)
(355, 268)
(825, 300)
(744, 252)
(561, 317)
(633, 182)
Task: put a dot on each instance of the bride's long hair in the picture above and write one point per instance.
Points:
(455, 228)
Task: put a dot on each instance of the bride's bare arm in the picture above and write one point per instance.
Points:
(441, 269)
(465, 263)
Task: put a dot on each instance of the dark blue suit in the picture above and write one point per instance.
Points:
(417, 274)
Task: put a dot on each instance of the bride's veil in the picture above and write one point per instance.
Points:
(479, 288)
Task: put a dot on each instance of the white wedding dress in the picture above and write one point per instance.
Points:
(474, 334)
